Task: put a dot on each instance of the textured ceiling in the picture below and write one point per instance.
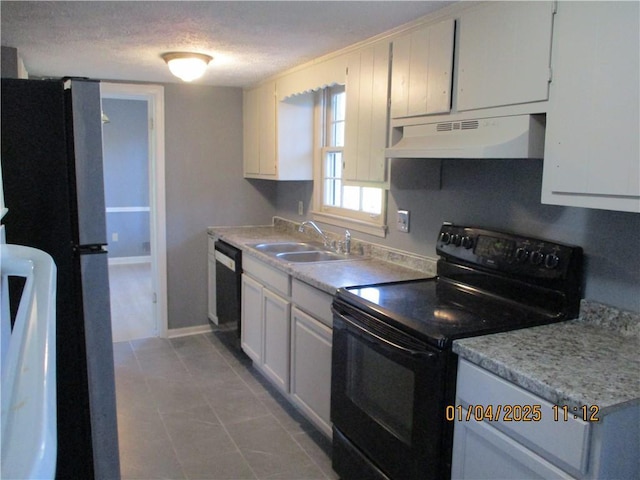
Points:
(249, 41)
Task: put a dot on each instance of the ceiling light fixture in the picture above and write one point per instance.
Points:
(187, 66)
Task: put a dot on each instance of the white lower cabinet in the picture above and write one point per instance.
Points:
(311, 368)
(252, 325)
(531, 438)
(482, 451)
(286, 331)
(275, 354)
(265, 331)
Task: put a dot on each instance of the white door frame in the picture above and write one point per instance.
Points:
(154, 95)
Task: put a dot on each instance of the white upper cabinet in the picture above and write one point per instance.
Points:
(422, 68)
(260, 131)
(503, 54)
(366, 114)
(592, 156)
(278, 136)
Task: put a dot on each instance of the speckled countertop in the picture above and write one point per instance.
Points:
(593, 360)
(369, 264)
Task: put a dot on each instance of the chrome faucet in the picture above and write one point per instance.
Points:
(325, 239)
(347, 242)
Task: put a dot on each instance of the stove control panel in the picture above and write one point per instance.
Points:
(507, 252)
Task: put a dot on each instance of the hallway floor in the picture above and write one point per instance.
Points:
(131, 297)
(194, 408)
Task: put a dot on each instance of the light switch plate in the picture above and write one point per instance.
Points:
(402, 221)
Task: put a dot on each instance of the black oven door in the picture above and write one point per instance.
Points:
(387, 400)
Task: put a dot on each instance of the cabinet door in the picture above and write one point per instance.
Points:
(504, 54)
(295, 137)
(422, 70)
(267, 126)
(591, 150)
(276, 314)
(366, 115)
(311, 368)
(481, 451)
(251, 130)
(259, 130)
(252, 325)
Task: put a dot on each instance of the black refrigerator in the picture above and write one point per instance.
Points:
(53, 187)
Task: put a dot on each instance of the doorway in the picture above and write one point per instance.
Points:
(136, 219)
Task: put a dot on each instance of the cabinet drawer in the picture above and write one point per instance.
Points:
(564, 443)
(270, 277)
(313, 301)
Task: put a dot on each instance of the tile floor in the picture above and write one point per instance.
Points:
(194, 408)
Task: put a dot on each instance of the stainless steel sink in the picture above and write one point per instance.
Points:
(299, 252)
(317, 256)
(288, 247)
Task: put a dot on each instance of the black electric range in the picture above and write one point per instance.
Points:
(487, 282)
(393, 371)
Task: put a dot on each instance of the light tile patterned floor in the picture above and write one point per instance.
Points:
(194, 408)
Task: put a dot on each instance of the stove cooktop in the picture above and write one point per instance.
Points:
(488, 281)
(439, 312)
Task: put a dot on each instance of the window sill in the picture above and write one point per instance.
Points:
(351, 224)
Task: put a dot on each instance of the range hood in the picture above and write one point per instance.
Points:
(516, 136)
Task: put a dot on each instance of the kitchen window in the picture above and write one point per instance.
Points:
(360, 208)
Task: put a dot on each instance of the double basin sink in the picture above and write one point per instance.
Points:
(299, 252)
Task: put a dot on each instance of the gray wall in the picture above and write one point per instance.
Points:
(204, 187)
(505, 195)
(9, 62)
(126, 175)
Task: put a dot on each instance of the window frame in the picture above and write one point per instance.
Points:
(358, 220)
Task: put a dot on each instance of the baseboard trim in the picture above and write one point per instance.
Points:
(128, 260)
(186, 331)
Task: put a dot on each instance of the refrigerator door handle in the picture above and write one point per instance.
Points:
(90, 249)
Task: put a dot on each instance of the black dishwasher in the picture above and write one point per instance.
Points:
(228, 284)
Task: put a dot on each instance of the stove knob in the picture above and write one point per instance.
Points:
(445, 237)
(455, 239)
(537, 257)
(521, 255)
(551, 261)
(467, 242)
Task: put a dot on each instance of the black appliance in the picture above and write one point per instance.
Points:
(53, 187)
(228, 284)
(393, 371)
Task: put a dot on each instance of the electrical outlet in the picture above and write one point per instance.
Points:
(300, 207)
(114, 237)
(402, 221)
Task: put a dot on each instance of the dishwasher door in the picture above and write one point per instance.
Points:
(228, 283)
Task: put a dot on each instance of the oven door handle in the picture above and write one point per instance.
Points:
(374, 339)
